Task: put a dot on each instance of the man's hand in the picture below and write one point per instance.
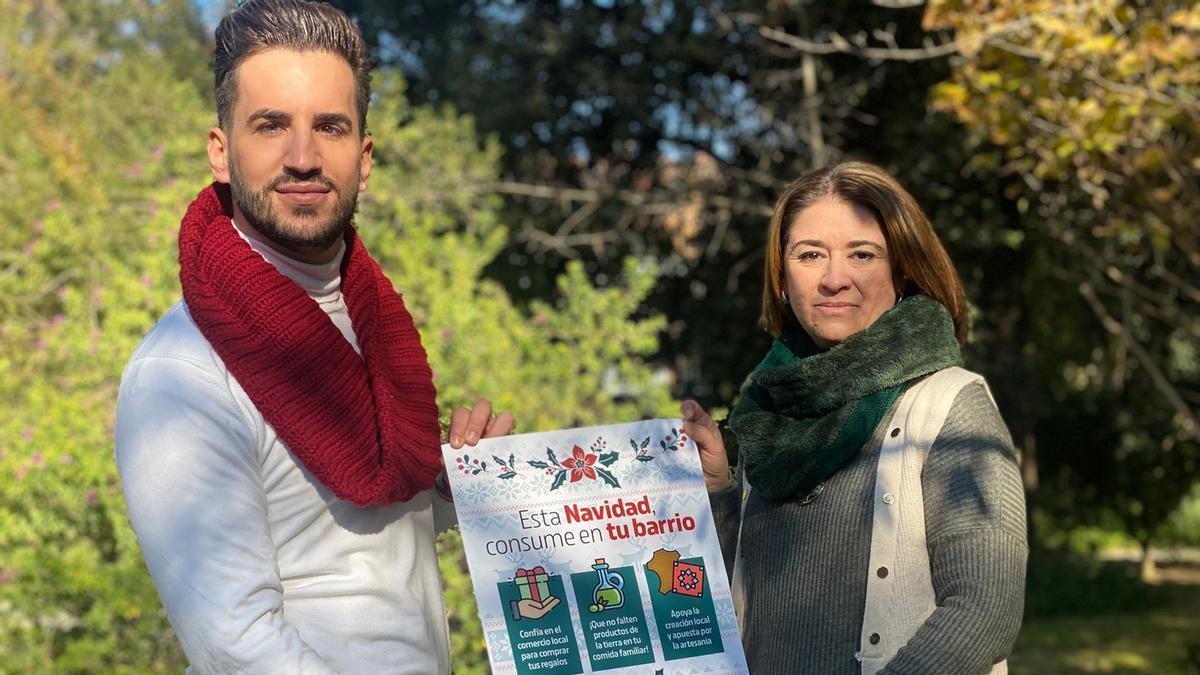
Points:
(468, 426)
(703, 430)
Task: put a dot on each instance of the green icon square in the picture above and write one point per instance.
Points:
(687, 623)
(545, 645)
(615, 633)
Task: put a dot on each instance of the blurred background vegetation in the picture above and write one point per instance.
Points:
(573, 196)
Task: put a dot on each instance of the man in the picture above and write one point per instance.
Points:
(277, 434)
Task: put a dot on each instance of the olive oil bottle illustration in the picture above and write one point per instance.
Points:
(610, 592)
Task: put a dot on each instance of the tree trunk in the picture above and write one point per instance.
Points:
(1149, 572)
(1029, 477)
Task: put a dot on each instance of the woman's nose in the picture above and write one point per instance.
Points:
(836, 277)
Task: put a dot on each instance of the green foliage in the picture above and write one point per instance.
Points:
(1091, 107)
(1183, 526)
(1068, 198)
(1062, 584)
(573, 360)
(86, 264)
(1148, 642)
(1092, 92)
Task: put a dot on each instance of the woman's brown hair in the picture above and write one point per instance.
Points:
(920, 263)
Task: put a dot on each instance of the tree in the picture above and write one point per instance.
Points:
(435, 227)
(93, 107)
(1092, 106)
(662, 130)
(1052, 144)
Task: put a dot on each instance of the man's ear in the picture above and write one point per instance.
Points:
(218, 155)
(365, 162)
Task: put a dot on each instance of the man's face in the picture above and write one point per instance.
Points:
(294, 157)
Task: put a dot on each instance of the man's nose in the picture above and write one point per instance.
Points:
(303, 155)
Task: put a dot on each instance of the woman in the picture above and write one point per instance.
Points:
(877, 510)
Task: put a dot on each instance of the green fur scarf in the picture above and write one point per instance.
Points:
(804, 412)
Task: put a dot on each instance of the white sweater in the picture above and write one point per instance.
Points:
(261, 568)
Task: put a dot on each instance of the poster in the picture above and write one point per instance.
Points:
(593, 551)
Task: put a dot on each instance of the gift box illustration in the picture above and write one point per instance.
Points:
(533, 584)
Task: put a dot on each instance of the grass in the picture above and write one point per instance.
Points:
(1164, 640)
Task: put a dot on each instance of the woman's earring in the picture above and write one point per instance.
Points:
(783, 297)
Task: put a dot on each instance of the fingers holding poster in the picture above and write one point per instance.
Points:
(593, 550)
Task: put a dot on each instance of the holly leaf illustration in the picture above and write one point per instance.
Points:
(644, 458)
(508, 474)
(538, 464)
(607, 476)
(498, 460)
(645, 443)
(512, 460)
(553, 459)
(608, 458)
(634, 444)
(559, 480)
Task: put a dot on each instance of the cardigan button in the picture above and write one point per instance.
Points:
(889, 498)
(895, 432)
(812, 496)
(874, 639)
(882, 572)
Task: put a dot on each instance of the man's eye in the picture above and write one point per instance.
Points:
(269, 127)
(331, 129)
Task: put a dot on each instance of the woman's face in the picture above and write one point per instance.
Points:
(837, 270)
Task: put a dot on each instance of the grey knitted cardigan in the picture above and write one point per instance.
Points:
(805, 561)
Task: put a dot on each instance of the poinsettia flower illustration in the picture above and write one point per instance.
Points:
(580, 463)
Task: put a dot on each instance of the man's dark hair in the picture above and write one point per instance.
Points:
(261, 25)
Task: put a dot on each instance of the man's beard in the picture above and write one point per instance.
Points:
(256, 208)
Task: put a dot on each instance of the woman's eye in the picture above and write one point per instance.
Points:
(863, 256)
(807, 256)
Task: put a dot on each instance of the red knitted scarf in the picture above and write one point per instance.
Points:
(366, 427)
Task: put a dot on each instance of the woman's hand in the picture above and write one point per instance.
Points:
(468, 426)
(703, 430)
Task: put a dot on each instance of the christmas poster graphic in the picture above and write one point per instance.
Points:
(593, 551)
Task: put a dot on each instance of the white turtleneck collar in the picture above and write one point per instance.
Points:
(323, 281)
